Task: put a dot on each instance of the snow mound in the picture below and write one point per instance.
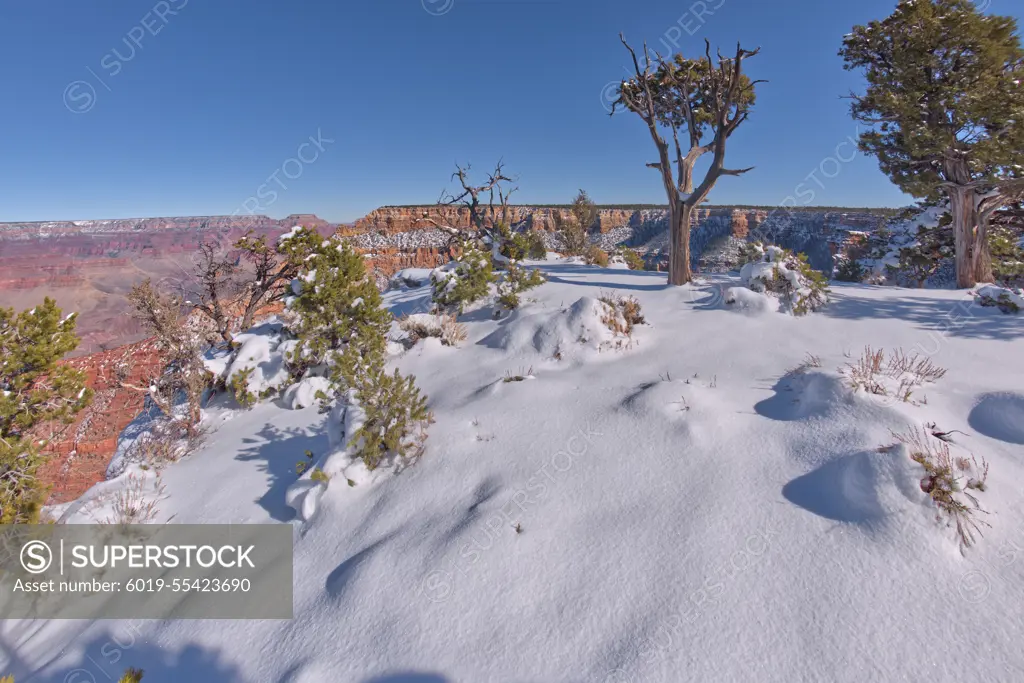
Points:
(342, 467)
(262, 351)
(1006, 300)
(803, 395)
(863, 487)
(304, 394)
(585, 326)
(749, 301)
(411, 277)
(999, 416)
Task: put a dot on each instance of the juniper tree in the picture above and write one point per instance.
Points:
(946, 105)
(701, 102)
(574, 228)
(338, 309)
(34, 389)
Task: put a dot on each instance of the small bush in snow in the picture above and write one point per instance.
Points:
(950, 482)
(395, 421)
(319, 475)
(894, 375)
(466, 281)
(631, 258)
(239, 386)
(523, 245)
(518, 377)
(573, 230)
(444, 326)
(158, 447)
(623, 312)
(596, 256)
(787, 276)
(1006, 300)
(516, 281)
(134, 503)
(849, 270)
(337, 310)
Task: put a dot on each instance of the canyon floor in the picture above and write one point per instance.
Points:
(698, 503)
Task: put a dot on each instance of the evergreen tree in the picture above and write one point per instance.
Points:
(947, 109)
(575, 228)
(34, 389)
(338, 308)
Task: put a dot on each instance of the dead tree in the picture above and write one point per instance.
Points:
(698, 100)
(215, 273)
(483, 219)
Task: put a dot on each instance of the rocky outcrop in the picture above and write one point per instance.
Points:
(78, 453)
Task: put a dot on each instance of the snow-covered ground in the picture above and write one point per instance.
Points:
(679, 508)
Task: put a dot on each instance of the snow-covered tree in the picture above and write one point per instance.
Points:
(337, 309)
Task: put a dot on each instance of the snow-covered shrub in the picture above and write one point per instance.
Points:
(849, 270)
(462, 282)
(951, 482)
(528, 244)
(788, 277)
(239, 386)
(443, 326)
(307, 392)
(395, 418)
(516, 281)
(337, 310)
(1006, 300)
(596, 256)
(256, 365)
(895, 374)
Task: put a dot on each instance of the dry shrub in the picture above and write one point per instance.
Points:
(950, 482)
(159, 447)
(874, 366)
(625, 313)
(443, 326)
(596, 256)
(134, 503)
(519, 377)
(809, 361)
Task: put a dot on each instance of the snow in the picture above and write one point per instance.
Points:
(411, 277)
(303, 394)
(1000, 294)
(294, 232)
(688, 504)
(261, 350)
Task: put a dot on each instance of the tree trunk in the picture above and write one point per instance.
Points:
(679, 244)
(962, 208)
(981, 253)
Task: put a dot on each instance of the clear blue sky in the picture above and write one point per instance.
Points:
(192, 105)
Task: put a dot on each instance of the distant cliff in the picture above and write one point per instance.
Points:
(410, 229)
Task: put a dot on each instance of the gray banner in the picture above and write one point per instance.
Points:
(147, 571)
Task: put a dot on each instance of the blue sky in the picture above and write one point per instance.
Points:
(200, 107)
